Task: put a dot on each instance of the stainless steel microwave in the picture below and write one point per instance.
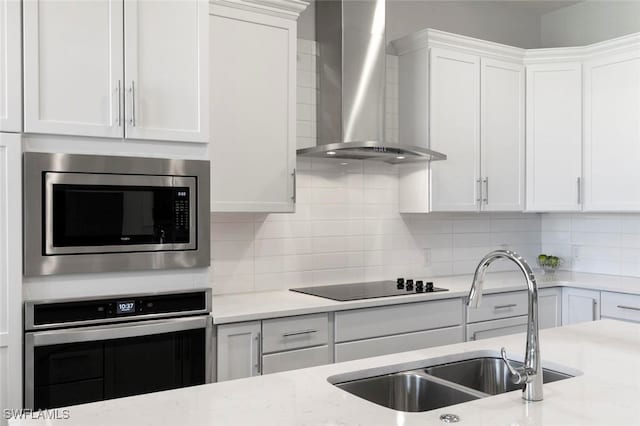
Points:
(87, 213)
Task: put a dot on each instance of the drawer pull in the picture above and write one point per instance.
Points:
(631, 308)
(299, 333)
(510, 305)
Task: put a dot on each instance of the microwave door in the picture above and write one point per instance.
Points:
(101, 213)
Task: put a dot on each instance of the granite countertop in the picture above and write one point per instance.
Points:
(272, 304)
(607, 353)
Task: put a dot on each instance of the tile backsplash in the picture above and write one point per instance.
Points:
(597, 243)
(347, 227)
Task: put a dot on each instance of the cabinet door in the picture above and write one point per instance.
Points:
(496, 328)
(502, 135)
(10, 67)
(550, 307)
(612, 133)
(73, 67)
(252, 151)
(166, 69)
(580, 306)
(398, 343)
(239, 350)
(455, 131)
(293, 360)
(11, 277)
(621, 306)
(554, 137)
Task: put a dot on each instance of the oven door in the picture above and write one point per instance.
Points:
(87, 364)
(89, 213)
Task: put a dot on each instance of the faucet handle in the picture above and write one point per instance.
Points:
(516, 377)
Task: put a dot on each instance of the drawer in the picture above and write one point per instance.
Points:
(399, 343)
(620, 306)
(397, 319)
(500, 305)
(292, 360)
(283, 334)
(501, 327)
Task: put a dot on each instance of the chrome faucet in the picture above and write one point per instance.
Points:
(531, 374)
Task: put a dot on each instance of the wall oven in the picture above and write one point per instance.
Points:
(79, 351)
(97, 213)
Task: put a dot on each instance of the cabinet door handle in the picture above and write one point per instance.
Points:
(119, 94)
(132, 92)
(579, 182)
(295, 188)
(299, 333)
(479, 188)
(510, 305)
(258, 364)
(486, 190)
(595, 309)
(630, 308)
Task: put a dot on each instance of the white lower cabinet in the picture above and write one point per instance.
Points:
(502, 314)
(398, 343)
(288, 343)
(580, 305)
(620, 306)
(238, 352)
(292, 360)
(495, 328)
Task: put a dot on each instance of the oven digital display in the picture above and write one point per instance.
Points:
(123, 308)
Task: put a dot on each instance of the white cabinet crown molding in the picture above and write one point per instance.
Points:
(581, 53)
(435, 38)
(289, 9)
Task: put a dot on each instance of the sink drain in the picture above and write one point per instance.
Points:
(449, 418)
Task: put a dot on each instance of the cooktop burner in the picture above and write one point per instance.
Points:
(370, 290)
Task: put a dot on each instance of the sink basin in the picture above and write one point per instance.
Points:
(407, 391)
(437, 383)
(487, 375)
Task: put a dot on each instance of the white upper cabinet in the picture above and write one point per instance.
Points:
(502, 135)
(166, 69)
(73, 67)
(455, 130)
(554, 136)
(253, 102)
(10, 67)
(108, 68)
(477, 120)
(612, 132)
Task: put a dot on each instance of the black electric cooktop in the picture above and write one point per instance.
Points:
(370, 290)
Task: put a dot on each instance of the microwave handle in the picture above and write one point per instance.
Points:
(119, 331)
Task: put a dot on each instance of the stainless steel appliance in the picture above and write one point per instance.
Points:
(351, 87)
(88, 213)
(79, 351)
(370, 290)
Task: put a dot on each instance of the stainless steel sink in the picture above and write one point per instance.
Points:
(438, 383)
(408, 391)
(488, 375)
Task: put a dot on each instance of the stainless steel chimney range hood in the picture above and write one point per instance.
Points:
(351, 86)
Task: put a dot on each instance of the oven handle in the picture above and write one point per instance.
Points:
(117, 331)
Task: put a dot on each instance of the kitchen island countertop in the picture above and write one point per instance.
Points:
(607, 353)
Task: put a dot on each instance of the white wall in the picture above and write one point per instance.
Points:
(589, 22)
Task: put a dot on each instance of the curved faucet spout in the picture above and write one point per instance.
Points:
(532, 373)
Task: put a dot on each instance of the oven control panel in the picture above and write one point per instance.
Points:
(92, 311)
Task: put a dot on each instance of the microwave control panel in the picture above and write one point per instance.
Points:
(181, 207)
